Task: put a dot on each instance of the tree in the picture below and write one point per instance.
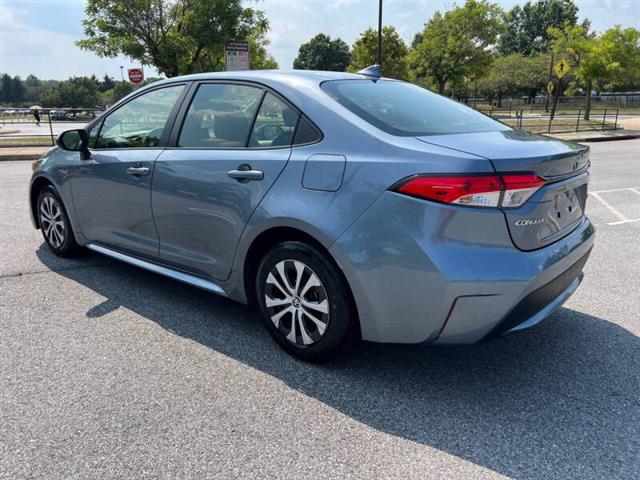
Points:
(76, 92)
(394, 53)
(107, 83)
(456, 44)
(18, 90)
(6, 88)
(119, 91)
(526, 28)
(259, 57)
(322, 53)
(175, 36)
(624, 45)
(32, 88)
(598, 59)
(515, 75)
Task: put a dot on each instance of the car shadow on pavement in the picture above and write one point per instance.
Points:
(559, 401)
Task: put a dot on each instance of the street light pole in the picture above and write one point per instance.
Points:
(380, 34)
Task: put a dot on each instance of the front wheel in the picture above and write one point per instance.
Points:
(54, 223)
(304, 300)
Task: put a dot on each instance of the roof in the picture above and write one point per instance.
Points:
(281, 76)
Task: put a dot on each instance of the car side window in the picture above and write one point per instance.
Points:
(220, 116)
(93, 134)
(306, 132)
(140, 122)
(275, 123)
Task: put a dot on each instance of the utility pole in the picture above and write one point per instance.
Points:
(122, 73)
(380, 34)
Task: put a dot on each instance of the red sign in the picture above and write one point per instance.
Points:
(136, 75)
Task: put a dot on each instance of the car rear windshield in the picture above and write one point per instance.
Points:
(404, 109)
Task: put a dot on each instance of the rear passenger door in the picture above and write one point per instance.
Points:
(232, 143)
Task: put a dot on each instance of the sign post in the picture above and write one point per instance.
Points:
(236, 56)
(136, 75)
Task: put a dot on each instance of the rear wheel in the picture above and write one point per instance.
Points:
(304, 300)
(54, 223)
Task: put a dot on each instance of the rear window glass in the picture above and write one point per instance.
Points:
(408, 110)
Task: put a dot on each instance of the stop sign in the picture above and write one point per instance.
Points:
(135, 75)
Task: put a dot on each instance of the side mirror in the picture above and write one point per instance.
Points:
(75, 141)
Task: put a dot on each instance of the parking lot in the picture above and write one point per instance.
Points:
(107, 371)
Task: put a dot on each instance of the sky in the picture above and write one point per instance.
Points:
(37, 36)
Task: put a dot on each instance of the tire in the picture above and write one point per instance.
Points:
(54, 223)
(313, 292)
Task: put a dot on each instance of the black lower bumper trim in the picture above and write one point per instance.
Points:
(538, 299)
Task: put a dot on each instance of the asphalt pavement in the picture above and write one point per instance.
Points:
(107, 371)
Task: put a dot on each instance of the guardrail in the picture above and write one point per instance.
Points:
(20, 127)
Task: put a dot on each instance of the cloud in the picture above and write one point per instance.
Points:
(26, 48)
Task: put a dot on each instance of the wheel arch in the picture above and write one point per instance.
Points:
(37, 184)
(272, 236)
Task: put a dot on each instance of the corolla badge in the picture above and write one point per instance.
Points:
(529, 221)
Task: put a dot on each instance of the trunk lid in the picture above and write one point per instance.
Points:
(558, 207)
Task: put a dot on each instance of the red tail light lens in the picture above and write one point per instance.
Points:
(478, 191)
(474, 190)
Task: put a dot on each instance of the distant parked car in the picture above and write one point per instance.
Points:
(337, 202)
(60, 116)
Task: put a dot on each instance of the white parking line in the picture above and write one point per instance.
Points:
(622, 222)
(597, 196)
(632, 189)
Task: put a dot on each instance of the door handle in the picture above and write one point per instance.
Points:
(138, 170)
(244, 173)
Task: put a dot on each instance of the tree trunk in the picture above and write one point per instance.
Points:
(499, 105)
(442, 83)
(587, 103)
(556, 96)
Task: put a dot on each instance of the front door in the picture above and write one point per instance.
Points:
(234, 142)
(112, 189)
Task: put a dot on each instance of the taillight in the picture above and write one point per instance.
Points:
(474, 190)
(518, 188)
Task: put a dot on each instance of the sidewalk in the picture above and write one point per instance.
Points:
(21, 153)
(596, 136)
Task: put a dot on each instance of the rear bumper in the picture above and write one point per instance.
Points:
(542, 302)
(426, 272)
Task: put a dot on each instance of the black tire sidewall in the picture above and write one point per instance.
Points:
(69, 245)
(339, 301)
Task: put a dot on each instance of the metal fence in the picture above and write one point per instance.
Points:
(562, 122)
(20, 127)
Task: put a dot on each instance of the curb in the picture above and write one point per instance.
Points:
(602, 138)
(607, 139)
(19, 158)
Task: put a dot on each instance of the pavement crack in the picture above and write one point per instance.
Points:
(51, 270)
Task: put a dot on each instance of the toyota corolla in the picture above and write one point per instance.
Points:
(336, 202)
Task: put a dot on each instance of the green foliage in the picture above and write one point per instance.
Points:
(107, 83)
(624, 48)
(526, 28)
(176, 36)
(394, 53)
(322, 53)
(73, 93)
(456, 44)
(119, 91)
(515, 75)
(615, 53)
(12, 90)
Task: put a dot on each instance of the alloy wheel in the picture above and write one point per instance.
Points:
(297, 302)
(52, 222)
